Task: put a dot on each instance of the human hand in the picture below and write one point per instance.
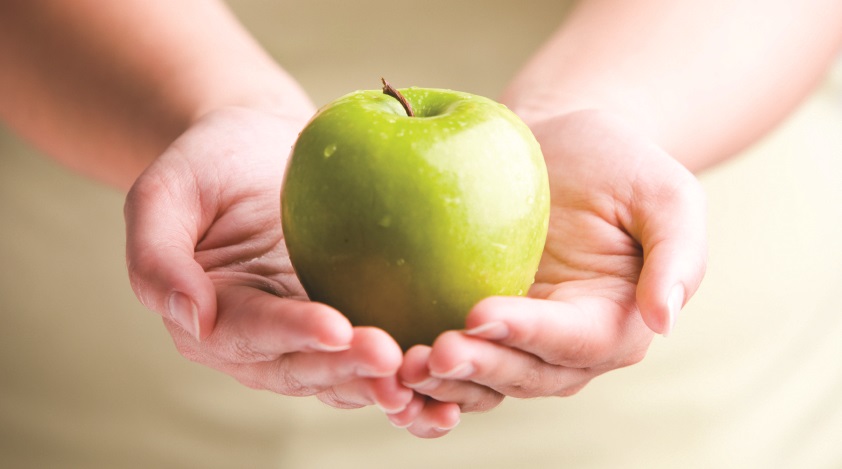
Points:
(626, 248)
(206, 251)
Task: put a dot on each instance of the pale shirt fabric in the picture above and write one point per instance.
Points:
(751, 377)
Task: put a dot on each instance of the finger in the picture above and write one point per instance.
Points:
(373, 354)
(584, 332)
(470, 397)
(389, 395)
(414, 368)
(407, 416)
(508, 371)
(673, 236)
(435, 420)
(254, 325)
(161, 235)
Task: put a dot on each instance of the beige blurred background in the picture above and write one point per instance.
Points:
(751, 378)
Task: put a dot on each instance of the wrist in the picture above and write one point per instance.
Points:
(536, 103)
(639, 111)
(273, 92)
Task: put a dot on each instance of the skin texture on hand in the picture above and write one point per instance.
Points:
(205, 249)
(93, 85)
(626, 248)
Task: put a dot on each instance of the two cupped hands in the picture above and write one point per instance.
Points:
(626, 249)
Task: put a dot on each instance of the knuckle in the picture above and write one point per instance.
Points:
(333, 399)
(280, 379)
(148, 186)
(242, 351)
(531, 383)
(289, 384)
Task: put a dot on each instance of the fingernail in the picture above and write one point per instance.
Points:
(674, 304)
(364, 372)
(185, 313)
(443, 429)
(322, 347)
(491, 331)
(392, 410)
(400, 425)
(461, 371)
(425, 385)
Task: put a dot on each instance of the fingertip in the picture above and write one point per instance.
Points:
(489, 310)
(670, 275)
(450, 356)
(390, 396)
(410, 413)
(161, 235)
(185, 313)
(333, 332)
(413, 370)
(378, 354)
(436, 419)
(448, 416)
(674, 240)
(203, 293)
(178, 289)
(656, 312)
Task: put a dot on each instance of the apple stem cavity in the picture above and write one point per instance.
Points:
(388, 89)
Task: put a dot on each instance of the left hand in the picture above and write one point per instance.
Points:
(205, 249)
(626, 248)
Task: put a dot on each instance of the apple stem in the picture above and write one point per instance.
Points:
(388, 89)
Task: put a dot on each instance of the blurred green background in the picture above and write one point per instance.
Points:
(751, 377)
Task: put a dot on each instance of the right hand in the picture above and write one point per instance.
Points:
(626, 248)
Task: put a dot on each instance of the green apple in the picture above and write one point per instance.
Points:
(405, 222)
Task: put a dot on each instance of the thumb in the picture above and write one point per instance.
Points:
(672, 232)
(161, 235)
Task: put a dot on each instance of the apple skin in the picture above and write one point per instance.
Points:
(405, 223)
